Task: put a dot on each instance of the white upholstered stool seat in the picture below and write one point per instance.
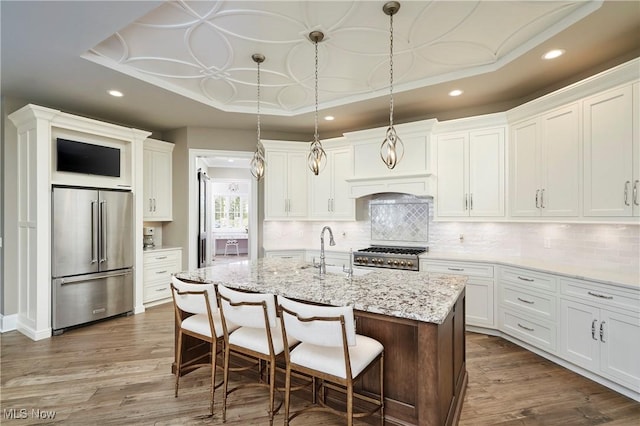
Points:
(234, 244)
(331, 351)
(255, 339)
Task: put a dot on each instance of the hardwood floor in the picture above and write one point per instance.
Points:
(118, 372)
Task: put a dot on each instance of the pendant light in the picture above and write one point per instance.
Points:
(392, 148)
(317, 158)
(257, 162)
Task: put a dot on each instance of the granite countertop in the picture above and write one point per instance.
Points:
(418, 296)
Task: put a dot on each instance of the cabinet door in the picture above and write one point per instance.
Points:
(479, 302)
(147, 184)
(608, 153)
(579, 339)
(523, 171)
(162, 182)
(636, 149)
(275, 185)
(297, 184)
(320, 191)
(620, 347)
(452, 177)
(486, 173)
(342, 206)
(560, 163)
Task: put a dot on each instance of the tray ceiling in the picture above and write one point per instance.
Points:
(202, 49)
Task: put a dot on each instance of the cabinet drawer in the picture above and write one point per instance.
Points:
(160, 272)
(174, 256)
(601, 294)
(540, 305)
(462, 268)
(538, 333)
(526, 278)
(161, 290)
(286, 254)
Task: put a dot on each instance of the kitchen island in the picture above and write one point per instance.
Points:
(417, 316)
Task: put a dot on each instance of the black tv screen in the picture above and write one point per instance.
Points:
(80, 157)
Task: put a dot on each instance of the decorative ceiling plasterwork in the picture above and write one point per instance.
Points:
(202, 49)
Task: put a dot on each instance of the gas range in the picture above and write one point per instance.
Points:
(405, 258)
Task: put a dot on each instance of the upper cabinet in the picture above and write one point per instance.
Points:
(329, 191)
(544, 160)
(157, 181)
(285, 180)
(611, 153)
(470, 173)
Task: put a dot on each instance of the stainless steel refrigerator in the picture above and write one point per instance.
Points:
(92, 255)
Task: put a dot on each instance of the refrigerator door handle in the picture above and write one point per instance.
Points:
(94, 231)
(91, 277)
(103, 231)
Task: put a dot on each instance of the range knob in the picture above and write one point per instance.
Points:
(402, 263)
(389, 262)
(409, 263)
(395, 263)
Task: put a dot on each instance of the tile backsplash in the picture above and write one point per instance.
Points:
(615, 247)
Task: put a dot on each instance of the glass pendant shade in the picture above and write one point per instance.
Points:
(317, 158)
(257, 164)
(392, 148)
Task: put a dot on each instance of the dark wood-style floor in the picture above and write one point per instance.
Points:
(118, 372)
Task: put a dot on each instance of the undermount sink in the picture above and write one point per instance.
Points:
(335, 269)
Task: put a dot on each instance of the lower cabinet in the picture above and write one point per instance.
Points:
(601, 338)
(285, 254)
(158, 267)
(479, 303)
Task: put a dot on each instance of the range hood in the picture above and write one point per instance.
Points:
(412, 175)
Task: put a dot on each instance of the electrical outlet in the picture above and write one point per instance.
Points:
(547, 243)
(461, 238)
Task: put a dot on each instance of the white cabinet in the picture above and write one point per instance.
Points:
(471, 174)
(157, 181)
(285, 254)
(479, 300)
(329, 191)
(603, 341)
(611, 153)
(545, 167)
(527, 303)
(158, 267)
(286, 181)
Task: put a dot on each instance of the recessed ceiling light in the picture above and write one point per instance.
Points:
(230, 160)
(456, 92)
(552, 54)
(116, 93)
(329, 118)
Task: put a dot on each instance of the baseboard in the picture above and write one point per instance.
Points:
(8, 322)
(34, 334)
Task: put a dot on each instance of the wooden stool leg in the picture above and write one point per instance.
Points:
(178, 361)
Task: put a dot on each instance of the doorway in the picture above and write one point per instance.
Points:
(231, 207)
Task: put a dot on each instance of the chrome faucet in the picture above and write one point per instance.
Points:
(332, 242)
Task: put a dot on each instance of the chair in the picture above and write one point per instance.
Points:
(197, 314)
(259, 337)
(231, 243)
(330, 350)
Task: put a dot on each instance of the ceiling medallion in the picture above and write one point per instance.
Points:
(257, 162)
(317, 158)
(392, 148)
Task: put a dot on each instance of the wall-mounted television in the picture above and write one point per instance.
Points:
(81, 157)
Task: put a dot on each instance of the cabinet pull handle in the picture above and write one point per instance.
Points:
(537, 195)
(626, 193)
(161, 289)
(471, 201)
(526, 279)
(593, 330)
(524, 328)
(601, 296)
(542, 199)
(161, 257)
(161, 272)
(602, 332)
(150, 204)
(456, 269)
(466, 201)
(526, 301)
(635, 192)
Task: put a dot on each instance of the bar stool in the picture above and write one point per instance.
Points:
(198, 316)
(330, 350)
(259, 336)
(231, 243)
